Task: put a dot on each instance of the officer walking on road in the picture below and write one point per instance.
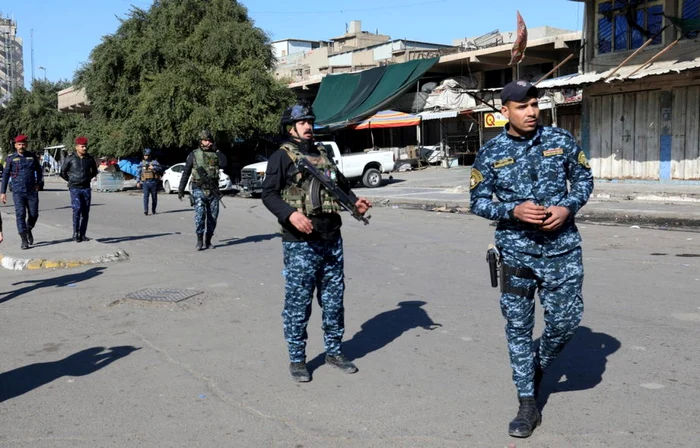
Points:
(24, 169)
(203, 164)
(78, 170)
(527, 168)
(311, 242)
(149, 172)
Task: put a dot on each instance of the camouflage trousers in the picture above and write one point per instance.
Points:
(150, 190)
(309, 266)
(26, 210)
(80, 199)
(206, 212)
(559, 281)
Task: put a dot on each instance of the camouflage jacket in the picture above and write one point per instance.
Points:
(516, 170)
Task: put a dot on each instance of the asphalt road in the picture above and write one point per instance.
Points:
(81, 366)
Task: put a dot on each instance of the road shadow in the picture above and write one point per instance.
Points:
(180, 210)
(66, 207)
(248, 239)
(25, 379)
(58, 282)
(381, 330)
(121, 239)
(52, 242)
(580, 366)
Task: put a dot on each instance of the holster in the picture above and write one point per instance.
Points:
(507, 287)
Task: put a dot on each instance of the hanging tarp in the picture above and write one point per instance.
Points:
(388, 119)
(350, 97)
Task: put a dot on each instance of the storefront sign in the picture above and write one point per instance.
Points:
(494, 120)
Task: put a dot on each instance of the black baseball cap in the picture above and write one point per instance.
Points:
(518, 91)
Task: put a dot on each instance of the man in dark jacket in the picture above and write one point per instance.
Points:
(78, 170)
(311, 241)
(24, 169)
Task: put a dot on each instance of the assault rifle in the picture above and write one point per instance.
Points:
(321, 180)
(210, 185)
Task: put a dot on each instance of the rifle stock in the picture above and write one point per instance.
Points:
(210, 184)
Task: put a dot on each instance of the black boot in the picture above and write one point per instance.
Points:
(341, 362)
(207, 240)
(199, 243)
(25, 243)
(75, 236)
(84, 238)
(30, 237)
(78, 238)
(527, 420)
(299, 372)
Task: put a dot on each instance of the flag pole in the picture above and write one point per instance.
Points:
(655, 57)
(568, 58)
(623, 63)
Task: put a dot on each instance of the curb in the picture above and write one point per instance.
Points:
(613, 217)
(18, 264)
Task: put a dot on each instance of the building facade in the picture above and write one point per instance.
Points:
(11, 59)
(642, 120)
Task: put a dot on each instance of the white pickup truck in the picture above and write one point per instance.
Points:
(362, 166)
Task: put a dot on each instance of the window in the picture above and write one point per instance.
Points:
(690, 9)
(627, 24)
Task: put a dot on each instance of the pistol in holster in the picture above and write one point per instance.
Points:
(497, 269)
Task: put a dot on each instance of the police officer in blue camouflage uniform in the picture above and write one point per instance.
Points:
(527, 168)
(78, 170)
(311, 242)
(204, 161)
(24, 168)
(148, 173)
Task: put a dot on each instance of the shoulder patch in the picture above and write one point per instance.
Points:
(475, 179)
(582, 160)
(503, 162)
(553, 152)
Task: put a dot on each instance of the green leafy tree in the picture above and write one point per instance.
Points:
(177, 68)
(35, 113)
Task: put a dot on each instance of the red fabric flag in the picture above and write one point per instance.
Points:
(517, 53)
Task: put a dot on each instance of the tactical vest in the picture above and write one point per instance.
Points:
(147, 174)
(207, 160)
(298, 195)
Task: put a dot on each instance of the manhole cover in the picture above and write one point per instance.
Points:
(163, 295)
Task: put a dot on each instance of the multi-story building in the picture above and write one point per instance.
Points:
(11, 65)
(305, 62)
(641, 89)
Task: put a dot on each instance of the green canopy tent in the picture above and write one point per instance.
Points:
(347, 98)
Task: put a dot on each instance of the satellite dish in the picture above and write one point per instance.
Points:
(428, 87)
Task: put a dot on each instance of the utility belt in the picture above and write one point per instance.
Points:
(498, 269)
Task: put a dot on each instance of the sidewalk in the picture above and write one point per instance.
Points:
(53, 248)
(442, 189)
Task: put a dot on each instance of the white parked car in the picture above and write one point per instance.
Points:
(366, 167)
(171, 179)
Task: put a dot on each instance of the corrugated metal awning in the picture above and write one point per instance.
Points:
(438, 115)
(657, 68)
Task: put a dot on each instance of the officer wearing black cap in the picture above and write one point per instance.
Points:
(541, 178)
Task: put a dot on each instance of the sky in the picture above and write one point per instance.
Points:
(66, 31)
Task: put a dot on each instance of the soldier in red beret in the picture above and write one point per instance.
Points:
(78, 170)
(24, 168)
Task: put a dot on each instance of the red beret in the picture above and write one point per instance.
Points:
(21, 138)
(81, 141)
